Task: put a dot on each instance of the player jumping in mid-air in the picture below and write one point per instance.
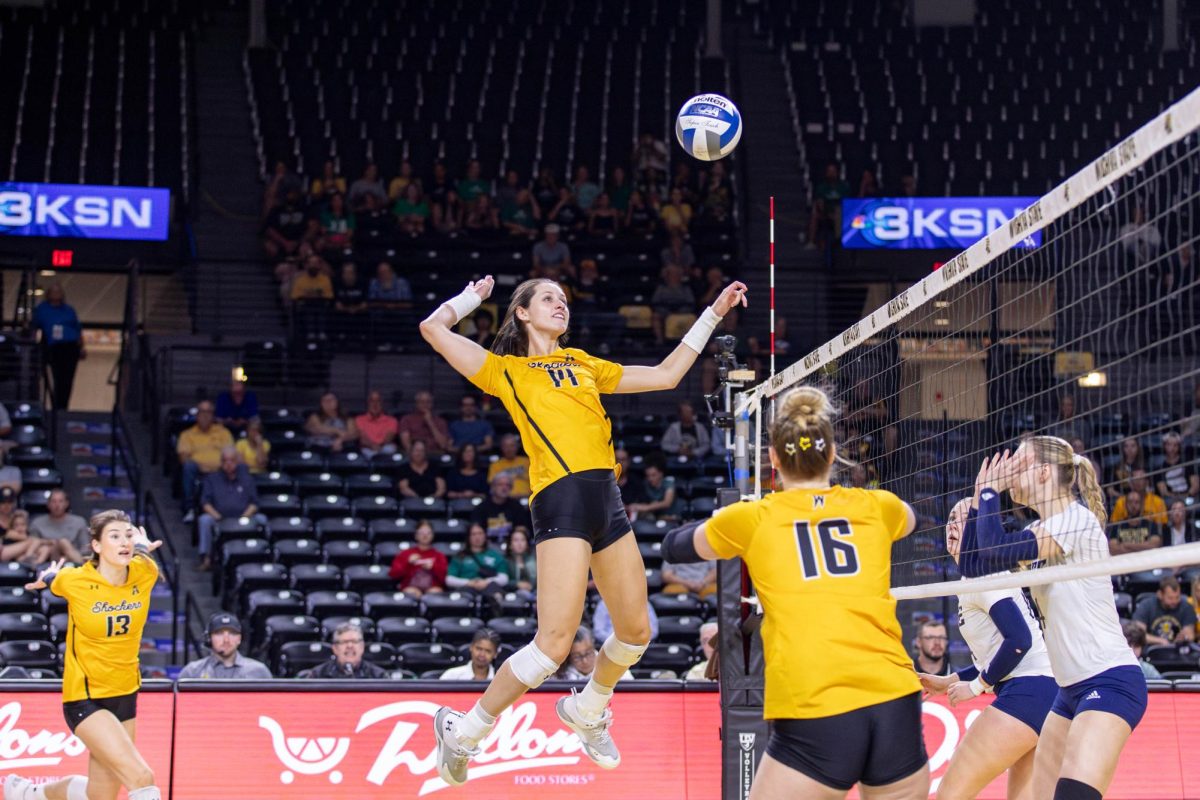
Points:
(579, 522)
(1102, 692)
(840, 688)
(108, 599)
(1010, 661)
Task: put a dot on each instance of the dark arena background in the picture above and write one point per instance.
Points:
(222, 221)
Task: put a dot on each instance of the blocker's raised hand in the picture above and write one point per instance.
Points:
(733, 294)
(482, 287)
(143, 539)
(40, 583)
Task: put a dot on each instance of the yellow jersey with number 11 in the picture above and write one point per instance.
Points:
(104, 628)
(821, 563)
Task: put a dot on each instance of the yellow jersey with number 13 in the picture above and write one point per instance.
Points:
(821, 563)
(554, 401)
(104, 628)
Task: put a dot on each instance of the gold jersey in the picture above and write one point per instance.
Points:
(821, 562)
(104, 628)
(554, 401)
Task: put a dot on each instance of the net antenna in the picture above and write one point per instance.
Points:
(1078, 318)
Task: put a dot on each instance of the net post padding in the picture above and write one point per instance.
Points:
(1167, 128)
(1179, 555)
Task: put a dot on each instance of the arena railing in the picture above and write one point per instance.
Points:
(168, 557)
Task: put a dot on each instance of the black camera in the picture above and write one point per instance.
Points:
(726, 360)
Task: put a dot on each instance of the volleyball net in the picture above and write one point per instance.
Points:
(1079, 318)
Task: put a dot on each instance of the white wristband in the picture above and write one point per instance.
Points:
(698, 336)
(976, 687)
(463, 304)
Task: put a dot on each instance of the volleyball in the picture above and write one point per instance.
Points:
(708, 127)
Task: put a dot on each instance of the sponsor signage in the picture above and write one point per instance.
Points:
(933, 223)
(85, 212)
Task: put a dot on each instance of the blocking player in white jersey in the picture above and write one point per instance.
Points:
(1009, 660)
(1102, 693)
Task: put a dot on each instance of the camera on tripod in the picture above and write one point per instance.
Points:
(727, 378)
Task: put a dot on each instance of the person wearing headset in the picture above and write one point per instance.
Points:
(224, 637)
(349, 646)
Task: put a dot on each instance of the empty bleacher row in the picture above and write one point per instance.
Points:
(1010, 105)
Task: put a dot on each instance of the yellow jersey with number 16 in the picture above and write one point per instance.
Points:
(821, 563)
(554, 401)
(104, 628)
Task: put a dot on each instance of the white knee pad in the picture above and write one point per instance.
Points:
(146, 793)
(530, 665)
(77, 788)
(621, 653)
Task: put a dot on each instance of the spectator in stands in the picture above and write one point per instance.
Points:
(1179, 477)
(825, 221)
(661, 501)
(1140, 238)
(1133, 532)
(506, 195)
(470, 427)
(1153, 507)
(499, 512)
(683, 180)
(6, 427)
(676, 214)
(467, 478)
(312, 295)
(868, 185)
(522, 563)
(859, 477)
(485, 328)
(603, 218)
(1078, 446)
(1135, 636)
(584, 189)
(389, 296)
(485, 644)
(480, 218)
(412, 211)
(686, 436)
(373, 222)
(254, 449)
(715, 277)
(1190, 427)
(8, 506)
(649, 154)
(678, 252)
(931, 644)
(18, 545)
(66, 531)
(236, 406)
(640, 218)
(1177, 530)
(377, 430)
(908, 186)
(199, 450)
(349, 302)
(716, 197)
(422, 423)
(224, 662)
(550, 252)
(708, 637)
(281, 183)
(629, 486)
(349, 645)
(1131, 458)
(1068, 426)
(513, 462)
(472, 186)
(672, 296)
(368, 184)
(479, 568)
(337, 225)
(283, 228)
(398, 185)
(545, 188)
(602, 622)
(619, 189)
(582, 660)
(566, 213)
(522, 217)
(699, 578)
(328, 428)
(420, 569)
(418, 476)
(330, 183)
(62, 342)
(228, 492)
(444, 202)
(1165, 617)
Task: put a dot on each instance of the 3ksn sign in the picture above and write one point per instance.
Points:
(85, 212)
(928, 223)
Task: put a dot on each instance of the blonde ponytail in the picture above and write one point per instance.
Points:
(1089, 488)
(802, 433)
(1075, 471)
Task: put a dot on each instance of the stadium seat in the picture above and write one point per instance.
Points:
(265, 603)
(290, 552)
(315, 578)
(231, 528)
(456, 630)
(370, 484)
(279, 629)
(58, 627)
(332, 604)
(391, 530)
(41, 478)
(449, 604)
(388, 463)
(514, 629)
(421, 657)
(14, 574)
(333, 529)
(676, 657)
(24, 625)
(463, 507)
(378, 605)
(315, 484)
(304, 461)
(274, 483)
(654, 581)
(18, 599)
(404, 630)
(1170, 657)
(349, 464)
(382, 654)
(450, 531)
(349, 553)
(295, 657)
(651, 530)
(512, 604)
(423, 507)
(319, 507)
(29, 653)
(295, 527)
(676, 605)
(651, 554)
(254, 576)
(367, 578)
(34, 457)
(679, 630)
(280, 505)
(375, 507)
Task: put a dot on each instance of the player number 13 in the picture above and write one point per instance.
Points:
(835, 557)
(118, 624)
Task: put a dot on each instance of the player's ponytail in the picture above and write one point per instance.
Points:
(1089, 488)
(802, 433)
(512, 339)
(97, 524)
(1074, 471)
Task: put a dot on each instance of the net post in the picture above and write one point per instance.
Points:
(741, 453)
(772, 282)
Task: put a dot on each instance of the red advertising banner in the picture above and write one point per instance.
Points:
(36, 742)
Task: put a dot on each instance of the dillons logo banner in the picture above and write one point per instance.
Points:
(928, 223)
(84, 212)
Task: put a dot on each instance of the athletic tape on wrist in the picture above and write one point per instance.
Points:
(977, 687)
(702, 330)
(464, 303)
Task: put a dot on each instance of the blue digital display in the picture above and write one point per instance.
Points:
(928, 223)
(85, 212)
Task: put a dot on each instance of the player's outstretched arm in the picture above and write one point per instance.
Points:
(464, 355)
(670, 371)
(46, 576)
